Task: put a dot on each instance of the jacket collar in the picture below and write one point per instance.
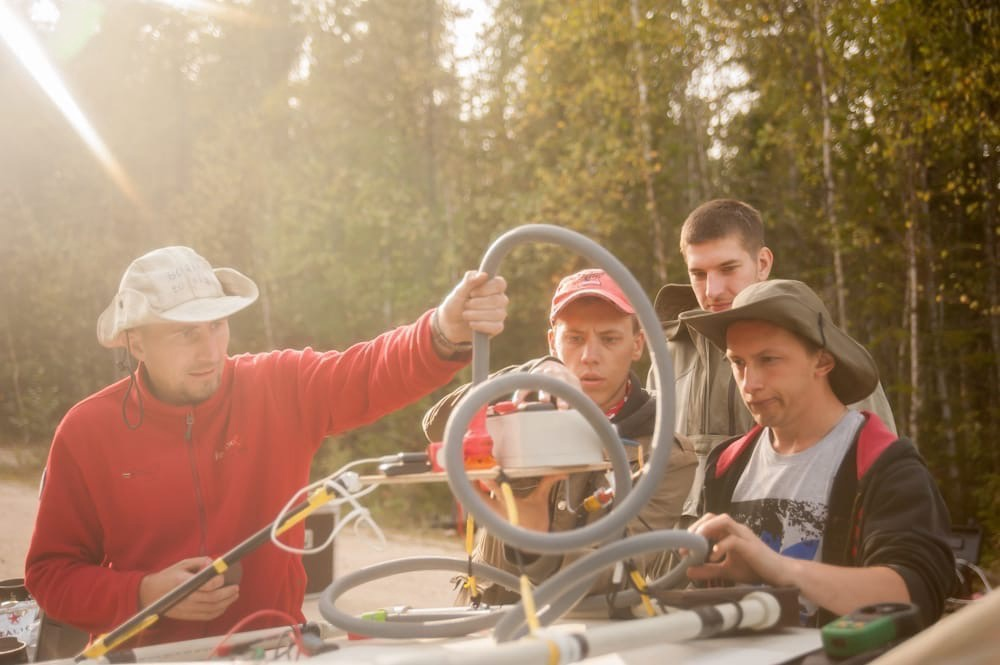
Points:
(872, 440)
(151, 405)
(729, 453)
(671, 301)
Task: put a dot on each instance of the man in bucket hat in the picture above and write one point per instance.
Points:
(150, 478)
(722, 242)
(594, 337)
(816, 495)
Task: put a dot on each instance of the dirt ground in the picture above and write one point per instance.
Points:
(18, 504)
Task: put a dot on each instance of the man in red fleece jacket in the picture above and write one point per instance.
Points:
(150, 478)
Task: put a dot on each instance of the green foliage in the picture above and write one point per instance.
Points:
(331, 151)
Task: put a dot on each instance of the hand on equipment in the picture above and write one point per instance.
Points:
(554, 369)
(532, 508)
(738, 554)
(208, 602)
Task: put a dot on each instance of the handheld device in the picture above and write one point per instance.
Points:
(405, 463)
(870, 627)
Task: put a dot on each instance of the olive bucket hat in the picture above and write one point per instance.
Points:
(173, 284)
(793, 306)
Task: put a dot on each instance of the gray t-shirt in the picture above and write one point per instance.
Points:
(784, 498)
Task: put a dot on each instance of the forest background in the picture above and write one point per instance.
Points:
(348, 159)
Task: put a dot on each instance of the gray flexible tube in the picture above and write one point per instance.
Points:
(446, 628)
(534, 541)
(756, 611)
(561, 591)
(613, 524)
(555, 596)
(629, 597)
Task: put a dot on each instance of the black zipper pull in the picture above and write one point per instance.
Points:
(190, 424)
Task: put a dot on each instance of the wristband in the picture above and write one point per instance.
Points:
(455, 348)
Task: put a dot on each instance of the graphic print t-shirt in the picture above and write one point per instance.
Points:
(784, 498)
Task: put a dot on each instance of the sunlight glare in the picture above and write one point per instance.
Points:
(21, 40)
(211, 8)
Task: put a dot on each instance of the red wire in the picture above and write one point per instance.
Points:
(256, 615)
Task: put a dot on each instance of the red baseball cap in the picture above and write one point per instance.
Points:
(594, 283)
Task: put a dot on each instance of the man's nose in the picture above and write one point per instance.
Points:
(590, 349)
(750, 381)
(713, 285)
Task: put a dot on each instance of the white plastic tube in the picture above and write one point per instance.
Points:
(757, 611)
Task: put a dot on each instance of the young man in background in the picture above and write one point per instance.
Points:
(722, 242)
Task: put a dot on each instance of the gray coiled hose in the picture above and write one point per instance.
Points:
(524, 539)
(625, 507)
(559, 593)
(442, 628)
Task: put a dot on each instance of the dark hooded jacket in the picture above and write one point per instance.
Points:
(884, 510)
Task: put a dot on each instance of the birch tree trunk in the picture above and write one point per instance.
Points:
(912, 285)
(430, 115)
(990, 225)
(829, 186)
(914, 323)
(694, 196)
(646, 145)
(992, 257)
(902, 353)
(936, 309)
(698, 180)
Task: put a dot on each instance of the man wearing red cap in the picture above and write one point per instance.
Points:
(594, 337)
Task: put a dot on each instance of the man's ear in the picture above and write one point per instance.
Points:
(765, 261)
(639, 343)
(825, 362)
(134, 345)
(552, 343)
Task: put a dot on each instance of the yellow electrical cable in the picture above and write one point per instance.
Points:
(553, 652)
(638, 457)
(508, 499)
(640, 585)
(530, 612)
(470, 528)
(316, 499)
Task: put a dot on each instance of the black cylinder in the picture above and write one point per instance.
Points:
(13, 589)
(12, 651)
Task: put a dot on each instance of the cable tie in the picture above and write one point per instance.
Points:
(351, 481)
(564, 648)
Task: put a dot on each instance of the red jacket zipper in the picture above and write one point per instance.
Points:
(199, 499)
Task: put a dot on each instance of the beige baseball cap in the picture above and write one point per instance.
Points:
(173, 284)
